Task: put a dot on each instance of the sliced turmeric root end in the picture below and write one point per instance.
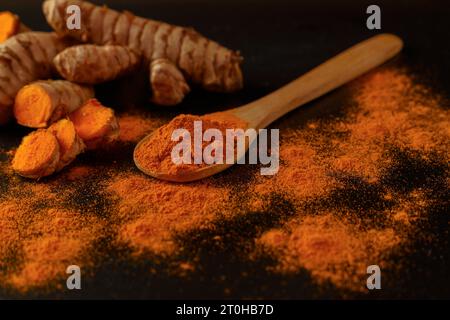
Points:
(33, 107)
(9, 25)
(95, 124)
(37, 156)
(46, 151)
(70, 144)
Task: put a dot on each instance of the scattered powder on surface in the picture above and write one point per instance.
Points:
(301, 173)
(79, 172)
(154, 211)
(37, 245)
(44, 228)
(393, 109)
(332, 249)
(390, 111)
(134, 127)
(53, 241)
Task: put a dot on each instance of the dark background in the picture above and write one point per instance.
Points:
(281, 40)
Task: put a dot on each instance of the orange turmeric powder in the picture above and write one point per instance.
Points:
(133, 127)
(330, 248)
(48, 241)
(155, 154)
(158, 210)
(326, 162)
(340, 201)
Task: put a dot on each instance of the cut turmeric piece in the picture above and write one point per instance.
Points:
(95, 124)
(25, 58)
(167, 82)
(46, 151)
(9, 25)
(42, 103)
(91, 64)
(37, 156)
(70, 143)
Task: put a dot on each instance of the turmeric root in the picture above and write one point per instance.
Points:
(70, 143)
(25, 58)
(167, 82)
(10, 25)
(41, 103)
(46, 151)
(91, 64)
(95, 124)
(204, 62)
(37, 155)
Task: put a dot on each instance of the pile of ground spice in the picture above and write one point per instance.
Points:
(331, 248)
(155, 154)
(393, 109)
(337, 208)
(55, 239)
(40, 238)
(323, 163)
(152, 212)
(133, 127)
(78, 173)
(301, 173)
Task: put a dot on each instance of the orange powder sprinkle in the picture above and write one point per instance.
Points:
(135, 127)
(9, 231)
(391, 111)
(154, 211)
(43, 244)
(331, 249)
(154, 154)
(78, 173)
(392, 108)
(300, 174)
(343, 212)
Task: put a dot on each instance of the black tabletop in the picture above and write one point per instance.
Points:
(281, 40)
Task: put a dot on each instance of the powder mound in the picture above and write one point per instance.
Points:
(135, 127)
(53, 240)
(154, 154)
(153, 212)
(329, 248)
(301, 173)
(333, 236)
(79, 173)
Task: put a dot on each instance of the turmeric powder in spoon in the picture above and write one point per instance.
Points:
(155, 154)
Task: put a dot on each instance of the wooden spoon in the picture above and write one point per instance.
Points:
(330, 75)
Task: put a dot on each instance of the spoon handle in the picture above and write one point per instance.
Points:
(331, 74)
